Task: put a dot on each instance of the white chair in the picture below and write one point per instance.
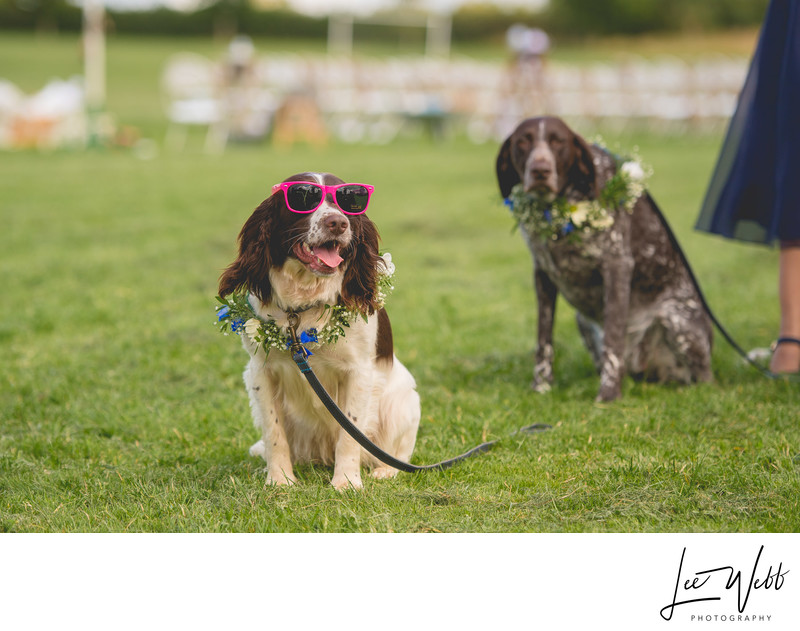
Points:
(190, 84)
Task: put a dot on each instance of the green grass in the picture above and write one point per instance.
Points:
(122, 408)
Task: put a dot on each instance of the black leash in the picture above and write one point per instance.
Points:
(673, 239)
(299, 355)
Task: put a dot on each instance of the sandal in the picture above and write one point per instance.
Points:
(776, 344)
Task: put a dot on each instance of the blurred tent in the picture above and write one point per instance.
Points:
(434, 16)
(438, 29)
(370, 7)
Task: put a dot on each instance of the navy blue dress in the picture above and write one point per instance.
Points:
(754, 193)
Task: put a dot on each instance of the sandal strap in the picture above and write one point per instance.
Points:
(783, 340)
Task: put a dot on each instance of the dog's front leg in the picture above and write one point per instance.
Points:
(357, 389)
(268, 416)
(546, 293)
(617, 270)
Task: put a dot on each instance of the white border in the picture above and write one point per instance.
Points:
(400, 581)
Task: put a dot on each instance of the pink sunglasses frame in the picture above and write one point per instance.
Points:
(284, 186)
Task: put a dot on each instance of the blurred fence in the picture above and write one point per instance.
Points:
(373, 101)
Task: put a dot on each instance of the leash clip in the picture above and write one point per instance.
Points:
(293, 321)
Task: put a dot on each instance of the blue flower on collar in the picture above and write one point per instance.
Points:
(224, 313)
(306, 337)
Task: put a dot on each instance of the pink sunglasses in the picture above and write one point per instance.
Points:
(306, 197)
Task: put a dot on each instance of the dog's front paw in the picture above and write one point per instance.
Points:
(611, 377)
(342, 482)
(608, 393)
(280, 477)
(540, 386)
(381, 473)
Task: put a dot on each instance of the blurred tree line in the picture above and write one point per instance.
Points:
(633, 17)
(563, 18)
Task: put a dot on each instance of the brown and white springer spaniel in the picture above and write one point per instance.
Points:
(637, 308)
(303, 262)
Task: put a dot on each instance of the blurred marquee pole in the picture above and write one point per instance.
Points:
(94, 60)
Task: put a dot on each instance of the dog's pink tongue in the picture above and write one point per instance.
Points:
(329, 256)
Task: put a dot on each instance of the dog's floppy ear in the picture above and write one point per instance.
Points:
(507, 176)
(582, 174)
(251, 268)
(360, 284)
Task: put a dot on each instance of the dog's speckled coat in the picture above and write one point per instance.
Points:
(637, 307)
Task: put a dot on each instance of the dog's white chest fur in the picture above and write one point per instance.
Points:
(378, 395)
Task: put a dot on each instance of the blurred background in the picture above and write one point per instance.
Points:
(136, 137)
(176, 75)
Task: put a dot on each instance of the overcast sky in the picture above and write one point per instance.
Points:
(320, 7)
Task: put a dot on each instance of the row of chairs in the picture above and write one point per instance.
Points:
(295, 98)
(374, 100)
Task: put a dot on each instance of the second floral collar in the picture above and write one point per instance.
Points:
(550, 217)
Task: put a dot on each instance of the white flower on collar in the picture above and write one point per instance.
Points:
(633, 170)
(387, 264)
(252, 327)
(601, 222)
(580, 214)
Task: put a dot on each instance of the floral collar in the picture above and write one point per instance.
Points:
(551, 217)
(235, 313)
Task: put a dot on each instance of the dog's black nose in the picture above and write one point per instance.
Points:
(337, 224)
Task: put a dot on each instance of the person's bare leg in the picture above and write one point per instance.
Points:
(786, 357)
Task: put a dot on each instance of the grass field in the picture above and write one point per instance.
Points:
(123, 409)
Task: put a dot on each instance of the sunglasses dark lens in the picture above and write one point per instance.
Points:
(304, 197)
(352, 199)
